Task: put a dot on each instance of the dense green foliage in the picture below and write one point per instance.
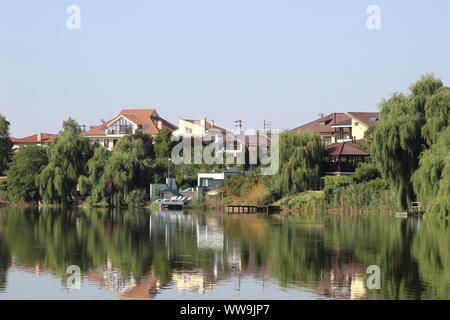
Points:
(68, 155)
(301, 155)
(112, 176)
(251, 190)
(432, 179)
(409, 127)
(5, 145)
(365, 172)
(90, 185)
(71, 125)
(23, 172)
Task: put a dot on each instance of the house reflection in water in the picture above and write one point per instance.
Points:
(343, 282)
(126, 287)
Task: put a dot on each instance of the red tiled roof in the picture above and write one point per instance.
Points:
(147, 118)
(323, 125)
(37, 138)
(348, 148)
(367, 118)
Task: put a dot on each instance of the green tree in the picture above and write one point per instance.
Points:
(71, 125)
(437, 114)
(301, 155)
(27, 163)
(163, 144)
(366, 172)
(91, 185)
(397, 140)
(112, 177)
(68, 155)
(432, 179)
(5, 144)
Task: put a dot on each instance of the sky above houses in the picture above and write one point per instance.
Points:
(284, 61)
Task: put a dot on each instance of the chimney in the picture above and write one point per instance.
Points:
(212, 122)
(39, 137)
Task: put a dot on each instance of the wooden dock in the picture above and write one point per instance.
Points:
(250, 209)
(171, 204)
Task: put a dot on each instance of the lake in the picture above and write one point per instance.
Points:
(142, 254)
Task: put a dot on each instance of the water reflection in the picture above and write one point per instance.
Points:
(136, 254)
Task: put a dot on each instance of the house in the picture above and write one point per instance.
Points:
(39, 139)
(197, 127)
(127, 122)
(324, 127)
(341, 127)
(343, 158)
(361, 122)
(213, 180)
(203, 127)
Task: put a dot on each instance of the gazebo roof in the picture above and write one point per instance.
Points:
(348, 148)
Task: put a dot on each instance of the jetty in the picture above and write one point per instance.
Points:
(250, 209)
(173, 202)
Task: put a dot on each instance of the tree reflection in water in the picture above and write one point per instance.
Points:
(138, 254)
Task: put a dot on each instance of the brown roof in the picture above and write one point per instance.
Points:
(147, 118)
(261, 140)
(367, 118)
(36, 138)
(348, 148)
(323, 125)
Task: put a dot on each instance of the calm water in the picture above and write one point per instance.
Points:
(139, 254)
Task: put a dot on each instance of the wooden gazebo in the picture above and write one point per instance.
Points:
(342, 158)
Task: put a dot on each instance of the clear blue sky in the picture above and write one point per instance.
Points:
(279, 60)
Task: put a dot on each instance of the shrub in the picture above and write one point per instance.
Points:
(310, 200)
(372, 195)
(366, 172)
(4, 191)
(136, 198)
(246, 190)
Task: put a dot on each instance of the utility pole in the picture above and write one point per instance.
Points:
(239, 125)
(267, 125)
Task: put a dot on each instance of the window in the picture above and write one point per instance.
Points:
(327, 139)
(121, 126)
(341, 133)
(106, 143)
(356, 123)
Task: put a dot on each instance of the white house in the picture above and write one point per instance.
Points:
(128, 121)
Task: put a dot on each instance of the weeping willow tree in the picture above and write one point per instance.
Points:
(5, 144)
(301, 154)
(432, 179)
(112, 177)
(398, 140)
(89, 185)
(68, 155)
(437, 114)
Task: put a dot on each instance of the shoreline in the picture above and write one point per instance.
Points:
(342, 211)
